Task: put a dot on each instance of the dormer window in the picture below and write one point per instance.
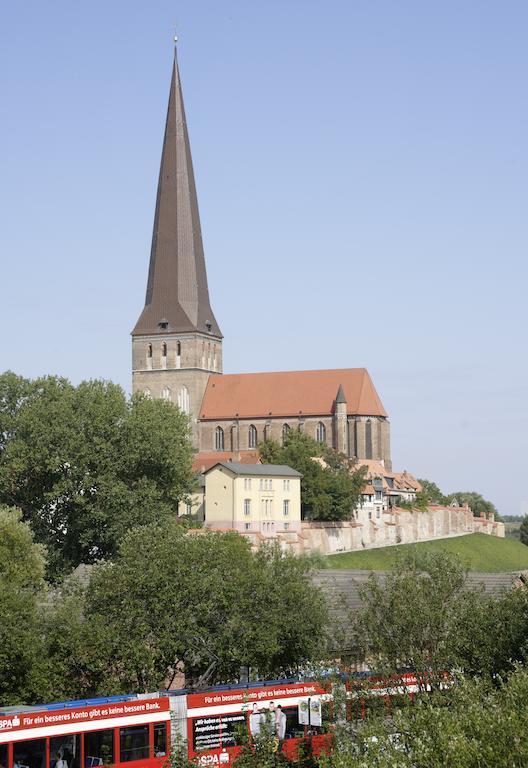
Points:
(163, 325)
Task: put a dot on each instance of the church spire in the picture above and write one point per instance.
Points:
(177, 299)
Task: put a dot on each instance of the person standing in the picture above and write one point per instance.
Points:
(280, 723)
(255, 720)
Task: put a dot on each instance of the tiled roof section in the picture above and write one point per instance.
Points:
(341, 589)
(401, 481)
(258, 470)
(207, 459)
(289, 394)
(177, 292)
(404, 481)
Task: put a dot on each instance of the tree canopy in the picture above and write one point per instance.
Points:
(84, 464)
(22, 565)
(431, 491)
(410, 617)
(480, 506)
(523, 531)
(172, 600)
(475, 724)
(330, 487)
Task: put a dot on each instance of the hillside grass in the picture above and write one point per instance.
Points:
(478, 551)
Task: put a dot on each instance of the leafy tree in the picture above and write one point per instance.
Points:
(262, 752)
(410, 619)
(330, 486)
(202, 602)
(473, 725)
(480, 506)
(431, 492)
(84, 464)
(493, 635)
(21, 586)
(524, 530)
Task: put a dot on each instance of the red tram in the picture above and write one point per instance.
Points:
(215, 723)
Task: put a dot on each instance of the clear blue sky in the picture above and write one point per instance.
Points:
(362, 171)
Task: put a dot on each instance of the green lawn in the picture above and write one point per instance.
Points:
(478, 551)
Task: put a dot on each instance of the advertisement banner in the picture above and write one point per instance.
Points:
(310, 711)
(236, 699)
(80, 715)
(216, 732)
(316, 717)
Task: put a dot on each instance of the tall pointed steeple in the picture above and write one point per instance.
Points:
(177, 299)
(176, 344)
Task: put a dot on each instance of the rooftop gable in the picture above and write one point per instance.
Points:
(256, 470)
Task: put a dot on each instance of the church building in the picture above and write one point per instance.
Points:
(177, 342)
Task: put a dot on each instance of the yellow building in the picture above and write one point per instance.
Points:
(253, 499)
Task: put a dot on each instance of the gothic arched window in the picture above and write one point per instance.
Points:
(149, 350)
(368, 439)
(252, 436)
(320, 433)
(147, 393)
(285, 432)
(219, 439)
(166, 393)
(164, 350)
(178, 348)
(183, 400)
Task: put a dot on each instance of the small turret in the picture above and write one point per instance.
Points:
(341, 422)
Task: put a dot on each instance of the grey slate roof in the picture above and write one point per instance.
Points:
(177, 292)
(340, 397)
(341, 586)
(259, 470)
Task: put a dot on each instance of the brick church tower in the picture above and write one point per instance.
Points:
(176, 343)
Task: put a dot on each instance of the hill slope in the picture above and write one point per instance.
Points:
(478, 551)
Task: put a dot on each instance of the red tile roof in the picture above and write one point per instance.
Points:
(289, 394)
(207, 459)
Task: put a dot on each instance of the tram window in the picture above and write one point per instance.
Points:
(160, 739)
(3, 755)
(134, 743)
(98, 748)
(67, 749)
(293, 729)
(29, 754)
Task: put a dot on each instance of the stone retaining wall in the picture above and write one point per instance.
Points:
(394, 527)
